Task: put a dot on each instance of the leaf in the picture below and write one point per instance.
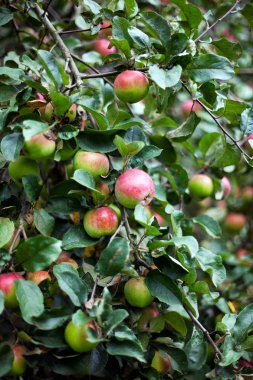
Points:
(210, 225)
(165, 78)
(210, 66)
(101, 120)
(168, 154)
(6, 16)
(178, 178)
(131, 8)
(229, 354)
(30, 299)
(1, 302)
(44, 222)
(113, 257)
(113, 318)
(227, 48)
(147, 153)
(188, 242)
(126, 348)
(9, 75)
(11, 146)
(247, 12)
(76, 237)
(52, 318)
(93, 6)
(141, 39)
(163, 288)
(6, 230)
(6, 358)
(212, 264)
(190, 12)
(125, 149)
(31, 186)
(70, 283)
(229, 155)
(185, 131)
(61, 103)
(176, 322)
(196, 350)
(86, 179)
(98, 141)
(32, 128)
(246, 122)
(157, 26)
(37, 253)
(51, 67)
(244, 323)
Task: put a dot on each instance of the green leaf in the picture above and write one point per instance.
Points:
(147, 153)
(76, 237)
(70, 283)
(125, 149)
(126, 348)
(101, 120)
(210, 225)
(93, 6)
(11, 146)
(210, 66)
(191, 13)
(113, 318)
(52, 318)
(196, 350)
(131, 8)
(120, 36)
(61, 103)
(227, 48)
(176, 322)
(113, 257)
(185, 130)
(6, 16)
(188, 242)
(6, 357)
(229, 155)
(141, 39)
(178, 178)
(168, 154)
(30, 299)
(6, 230)
(31, 186)
(68, 131)
(7, 92)
(212, 264)
(165, 78)
(246, 122)
(163, 288)
(229, 355)
(44, 222)
(157, 26)
(86, 179)
(98, 141)
(1, 302)
(51, 67)
(32, 128)
(37, 253)
(244, 323)
(247, 12)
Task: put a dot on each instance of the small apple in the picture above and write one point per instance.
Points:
(101, 47)
(64, 258)
(96, 164)
(133, 187)
(200, 186)
(19, 362)
(76, 335)
(106, 29)
(7, 286)
(137, 293)
(229, 35)
(47, 111)
(71, 113)
(158, 217)
(8, 245)
(131, 86)
(161, 362)
(147, 315)
(241, 252)
(100, 222)
(104, 189)
(21, 167)
(39, 147)
(226, 185)
(189, 106)
(38, 276)
(247, 194)
(235, 222)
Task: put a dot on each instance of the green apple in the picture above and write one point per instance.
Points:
(21, 167)
(76, 335)
(19, 362)
(137, 293)
(39, 147)
(161, 362)
(200, 186)
(96, 164)
(131, 86)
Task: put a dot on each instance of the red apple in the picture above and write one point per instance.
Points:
(161, 362)
(21, 167)
(38, 276)
(19, 362)
(64, 258)
(226, 185)
(235, 222)
(189, 105)
(39, 147)
(200, 186)
(133, 187)
(106, 29)
(76, 335)
(247, 194)
(104, 189)
(101, 47)
(131, 86)
(96, 164)
(100, 222)
(241, 252)
(7, 286)
(137, 293)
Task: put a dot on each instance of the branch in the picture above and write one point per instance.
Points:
(80, 30)
(217, 21)
(196, 322)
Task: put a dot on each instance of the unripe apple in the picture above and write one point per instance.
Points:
(247, 194)
(71, 114)
(161, 362)
(19, 362)
(235, 222)
(134, 187)
(147, 315)
(7, 286)
(47, 111)
(7, 245)
(131, 86)
(189, 106)
(76, 335)
(101, 47)
(39, 147)
(96, 164)
(38, 276)
(21, 167)
(200, 186)
(100, 222)
(64, 258)
(226, 185)
(137, 293)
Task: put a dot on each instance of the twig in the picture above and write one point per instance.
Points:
(245, 71)
(90, 302)
(16, 236)
(217, 21)
(116, 232)
(218, 354)
(81, 30)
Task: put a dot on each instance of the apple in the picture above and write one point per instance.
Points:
(235, 222)
(47, 111)
(229, 35)
(106, 28)
(241, 252)
(149, 313)
(100, 222)
(19, 362)
(21, 167)
(101, 47)
(76, 335)
(189, 106)
(38, 276)
(161, 362)
(247, 194)
(64, 258)
(158, 217)
(200, 186)
(137, 293)
(39, 147)
(96, 164)
(8, 245)
(104, 189)
(226, 185)
(131, 86)
(71, 113)
(117, 210)
(7, 286)
(134, 186)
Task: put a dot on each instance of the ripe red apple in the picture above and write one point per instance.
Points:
(38, 276)
(241, 252)
(226, 185)
(64, 258)
(101, 47)
(96, 164)
(19, 362)
(189, 106)
(76, 335)
(161, 362)
(200, 186)
(100, 222)
(137, 293)
(7, 286)
(131, 86)
(133, 187)
(235, 222)
(39, 147)
(149, 313)
(21, 167)
(158, 217)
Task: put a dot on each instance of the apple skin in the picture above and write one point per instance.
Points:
(161, 362)
(7, 286)
(19, 362)
(77, 337)
(104, 189)
(226, 185)
(131, 86)
(96, 164)
(105, 32)
(149, 313)
(200, 186)
(133, 187)
(101, 47)
(38, 276)
(158, 217)
(64, 258)
(100, 222)
(235, 222)
(137, 293)
(39, 147)
(21, 167)
(71, 114)
(46, 112)
(188, 106)
(247, 194)
(117, 210)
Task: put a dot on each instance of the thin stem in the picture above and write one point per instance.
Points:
(90, 302)
(117, 231)
(80, 30)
